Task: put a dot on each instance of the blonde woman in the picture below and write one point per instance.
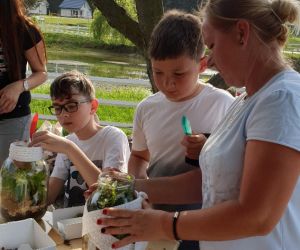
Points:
(250, 165)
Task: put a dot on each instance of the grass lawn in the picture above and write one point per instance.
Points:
(294, 39)
(69, 42)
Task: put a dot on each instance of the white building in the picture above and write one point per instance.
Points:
(41, 9)
(75, 8)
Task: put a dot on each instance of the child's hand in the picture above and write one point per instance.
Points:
(193, 144)
(49, 141)
(91, 189)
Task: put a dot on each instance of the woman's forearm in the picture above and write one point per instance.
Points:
(226, 221)
(180, 189)
(36, 79)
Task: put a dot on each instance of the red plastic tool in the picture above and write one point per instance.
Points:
(33, 124)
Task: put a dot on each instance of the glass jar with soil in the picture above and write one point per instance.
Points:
(23, 183)
(114, 188)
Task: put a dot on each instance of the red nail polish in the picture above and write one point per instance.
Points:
(104, 211)
(113, 246)
(99, 221)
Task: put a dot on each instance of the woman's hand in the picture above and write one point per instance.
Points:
(50, 142)
(140, 225)
(9, 96)
(193, 144)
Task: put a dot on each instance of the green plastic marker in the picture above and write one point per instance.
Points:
(186, 126)
(187, 130)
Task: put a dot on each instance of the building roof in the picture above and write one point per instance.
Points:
(72, 4)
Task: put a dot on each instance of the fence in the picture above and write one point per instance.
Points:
(101, 101)
(112, 81)
(293, 48)
(66, 29)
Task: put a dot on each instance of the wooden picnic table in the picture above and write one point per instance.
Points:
(73, 244)
(61, 244)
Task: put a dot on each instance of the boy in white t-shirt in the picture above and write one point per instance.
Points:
(159, 146)
(89, 147)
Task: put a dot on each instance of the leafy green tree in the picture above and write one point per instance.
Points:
(103, 32)
(53, 6)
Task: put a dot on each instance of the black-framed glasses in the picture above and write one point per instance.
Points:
(69, 107)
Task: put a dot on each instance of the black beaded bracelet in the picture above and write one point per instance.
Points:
(175, 218)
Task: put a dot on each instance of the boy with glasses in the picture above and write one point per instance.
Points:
(89, 147)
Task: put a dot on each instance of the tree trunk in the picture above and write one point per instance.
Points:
(117, 18)
(187, 5)
(149, 13)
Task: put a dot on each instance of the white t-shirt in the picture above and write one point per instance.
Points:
(157, 127)
(107, 148)
(273, 115)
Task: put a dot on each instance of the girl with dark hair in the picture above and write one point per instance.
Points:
(21, 42)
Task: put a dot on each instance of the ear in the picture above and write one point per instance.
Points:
(203, 64)
(95, 105)
(243, 30)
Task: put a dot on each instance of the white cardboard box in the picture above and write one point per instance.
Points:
(13, 234)
(66, 221)
(70, 228)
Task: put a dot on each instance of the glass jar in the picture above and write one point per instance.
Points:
(23, 183)
(114, 188)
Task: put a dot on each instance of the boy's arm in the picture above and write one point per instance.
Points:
(138, 164)
(54, 188)
(88, 170)
(55, 143)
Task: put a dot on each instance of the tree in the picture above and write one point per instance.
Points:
(53, 6)
(90, 2)
(31, 4)
(189, 5)
(137, 30)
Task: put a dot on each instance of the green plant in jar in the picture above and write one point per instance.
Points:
(114, 188)
(23, 188)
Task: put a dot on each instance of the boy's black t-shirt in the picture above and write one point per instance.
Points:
(28, 38)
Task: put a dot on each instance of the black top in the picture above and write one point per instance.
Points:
(29, 38)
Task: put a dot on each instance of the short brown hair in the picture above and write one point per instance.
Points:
(176, 34)
(70, 83)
